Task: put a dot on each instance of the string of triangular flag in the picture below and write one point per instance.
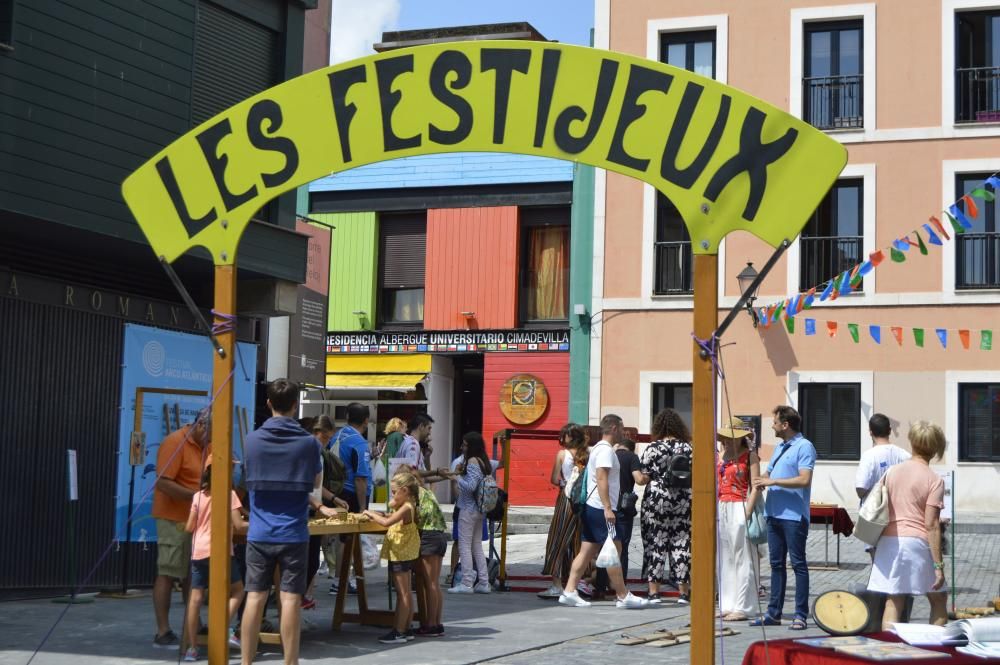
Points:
(898, 333)
(845, 282)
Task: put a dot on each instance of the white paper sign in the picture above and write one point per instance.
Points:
(71, 470)
(949, 481)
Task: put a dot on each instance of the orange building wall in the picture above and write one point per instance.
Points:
(530, 461)
(471, 266)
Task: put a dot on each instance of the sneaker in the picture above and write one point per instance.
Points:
(352, 586)
(334, 587)
(308, 603)
(552, 592)
(584, 588)
(409, 635)
(167, 640)
(393, 637)
(631, 602)
(572, 600)
(482, 587)
(427, 631)
(323, 569)
(461, 588)
(234, 639)
(191, 655)
(654, 599)
(683, 599)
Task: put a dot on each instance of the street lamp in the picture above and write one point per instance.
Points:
(746, 281)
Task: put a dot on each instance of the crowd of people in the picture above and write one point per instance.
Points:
(294, 469)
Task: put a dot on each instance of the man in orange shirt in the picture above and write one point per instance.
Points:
(179, 464)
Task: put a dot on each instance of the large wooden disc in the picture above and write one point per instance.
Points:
(840, 613)
(523, 399)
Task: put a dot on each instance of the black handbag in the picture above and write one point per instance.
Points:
(626, 504)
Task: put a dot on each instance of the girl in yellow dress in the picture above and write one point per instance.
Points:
(402, 548)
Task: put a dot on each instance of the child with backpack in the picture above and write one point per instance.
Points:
(200, 525)
(477, 495)
(402, 548)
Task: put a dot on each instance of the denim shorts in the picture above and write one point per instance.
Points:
(199, 573)
(593, 526)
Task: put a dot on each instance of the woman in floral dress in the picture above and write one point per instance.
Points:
(665, 520)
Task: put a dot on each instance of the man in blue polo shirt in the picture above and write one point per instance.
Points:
(789, 480)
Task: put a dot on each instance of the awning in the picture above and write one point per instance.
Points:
(363, 372)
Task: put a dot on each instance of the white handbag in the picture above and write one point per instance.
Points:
(874, 514)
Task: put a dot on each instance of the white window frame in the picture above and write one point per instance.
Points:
(952, 380)
(799, 17)
(866, 172)
(951, 169)
(948, 10)
(867, 381)
(654, 29)
(646, 381)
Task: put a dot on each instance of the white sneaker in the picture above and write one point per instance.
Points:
(482, 587)
(461, 588)
(552, 592)
(572, 599)
(631, 602)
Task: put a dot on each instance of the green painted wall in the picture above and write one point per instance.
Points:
(353, 262)
(581, 282)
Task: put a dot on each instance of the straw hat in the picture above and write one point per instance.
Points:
(735, 429)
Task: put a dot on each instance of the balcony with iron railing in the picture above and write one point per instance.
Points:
(977, 94)
(673, 274)
(825, 257)
(833, 102)
(977, 261)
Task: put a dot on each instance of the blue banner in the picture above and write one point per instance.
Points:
(168, 360)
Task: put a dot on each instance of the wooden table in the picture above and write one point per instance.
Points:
(365, 615)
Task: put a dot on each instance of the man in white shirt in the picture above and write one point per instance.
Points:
(883, 454)
(603, 488)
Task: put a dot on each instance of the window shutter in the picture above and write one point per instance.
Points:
(403, 250)
(845, 423)
(816, 417)
(980, 417)
(234, 58)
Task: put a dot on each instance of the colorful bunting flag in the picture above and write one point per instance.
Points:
(790, 324)
(897, 332)
(807, 303)
(958, 220)
(777, 310)
(876, 258)
(901, 244)
(942, 334)
(940, 227)
(970, 206)
(865, 268)
(994, 182)
(954, 224)
(827, 291)
(963, 336)
(983, 193)
(845, 283)
(986, 340)
(918, 337)
(831, 328)
(931, 236)
(920, 243)
(876, 333)
(853, 329)
(897, 255)
(810, 326)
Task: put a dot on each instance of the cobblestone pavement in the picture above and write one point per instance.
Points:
(506, 628)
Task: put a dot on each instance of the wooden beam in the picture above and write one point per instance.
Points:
(703, 499)
(222, 473)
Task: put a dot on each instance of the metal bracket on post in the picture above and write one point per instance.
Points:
(735, 311)
(189, 301)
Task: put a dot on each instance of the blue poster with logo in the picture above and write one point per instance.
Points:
(155, 364)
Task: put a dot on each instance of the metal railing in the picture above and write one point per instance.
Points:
(825, 257)
(977, 261)
(977, 94)
(673, 268)
(833, 102)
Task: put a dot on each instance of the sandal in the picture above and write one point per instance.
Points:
(765, 621)
(735, 616)
(798, 624)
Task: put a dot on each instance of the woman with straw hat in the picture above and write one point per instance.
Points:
(738, 465)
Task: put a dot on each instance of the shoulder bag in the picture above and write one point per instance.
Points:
(874, 514)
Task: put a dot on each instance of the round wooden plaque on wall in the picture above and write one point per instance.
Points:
(523, 399)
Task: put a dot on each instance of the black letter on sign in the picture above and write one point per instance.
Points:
(269, 110)
(753, 158)
(192, 225)
(640, 80)
(550, 69)
(573, 144)
(668, 168)
(451, 61)
(209, 141)
(343, 113)
(505, 61)
(386, 72)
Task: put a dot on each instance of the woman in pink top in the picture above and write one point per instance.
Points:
(908, 555)
(200, 524)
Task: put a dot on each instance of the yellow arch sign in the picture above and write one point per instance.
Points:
(727, 160)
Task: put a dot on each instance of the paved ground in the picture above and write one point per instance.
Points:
(509, 628)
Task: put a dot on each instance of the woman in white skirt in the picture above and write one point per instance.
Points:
(908, 555)
(738, 465)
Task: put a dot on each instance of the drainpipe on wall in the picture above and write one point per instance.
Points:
(581, 264)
